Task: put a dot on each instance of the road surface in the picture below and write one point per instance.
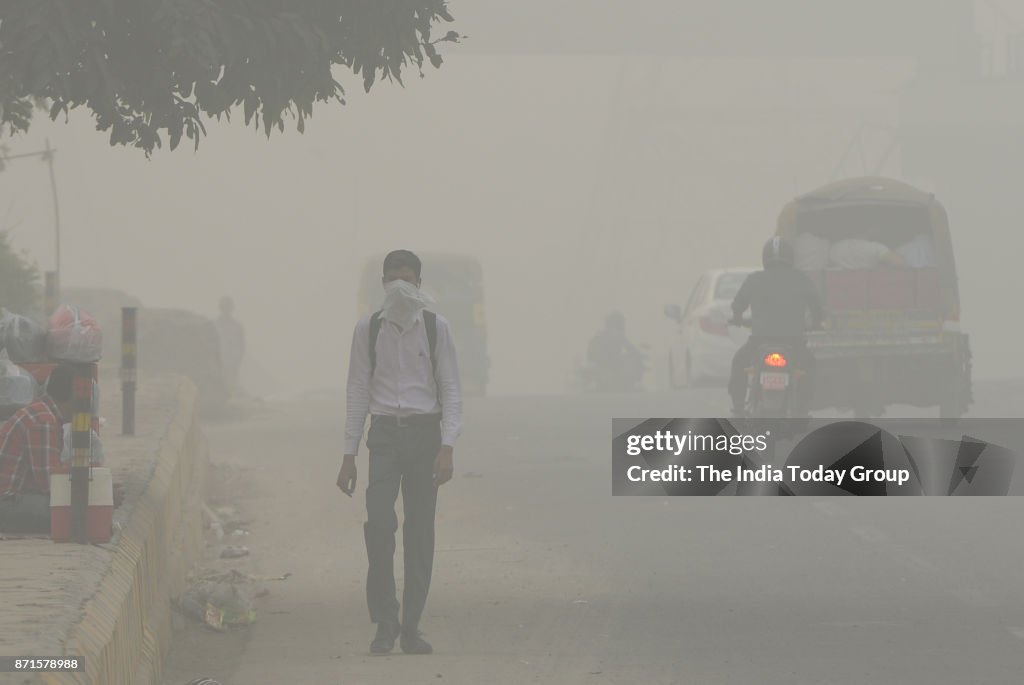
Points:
(542, 576)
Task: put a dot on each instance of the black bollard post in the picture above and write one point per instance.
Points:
(50, 293)
(129, 372)
(81, 448)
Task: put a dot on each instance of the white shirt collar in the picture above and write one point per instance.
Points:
(416, 320)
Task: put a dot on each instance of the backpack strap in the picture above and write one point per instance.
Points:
(375, 323)
(429, 322)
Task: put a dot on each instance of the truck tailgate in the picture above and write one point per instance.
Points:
(877, 342)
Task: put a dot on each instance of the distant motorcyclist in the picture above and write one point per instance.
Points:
(615, 363)
(779, 299)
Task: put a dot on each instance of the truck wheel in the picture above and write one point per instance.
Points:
(687, 380)
(865, 410)
(672, 383)
(955, 404)
(950, 410)
(866, 405)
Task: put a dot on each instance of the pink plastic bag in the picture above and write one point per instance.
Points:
(74, 336)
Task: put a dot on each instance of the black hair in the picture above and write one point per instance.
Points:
(397, 259)
(61, 383)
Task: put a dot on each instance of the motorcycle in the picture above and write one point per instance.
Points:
(628, 376)
(772, 380)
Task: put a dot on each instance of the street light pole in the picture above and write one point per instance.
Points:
(48, 156)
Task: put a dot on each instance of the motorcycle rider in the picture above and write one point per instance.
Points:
(779, 298)
(615, 362)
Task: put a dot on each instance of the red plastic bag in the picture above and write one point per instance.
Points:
(74, 336)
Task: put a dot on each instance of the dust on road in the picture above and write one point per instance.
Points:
(541, 576)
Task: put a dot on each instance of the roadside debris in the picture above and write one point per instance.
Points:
(223, 600)
(225, 512)
(234, 552)
(218, 605)
(214, 522)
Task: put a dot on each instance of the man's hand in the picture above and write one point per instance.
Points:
(347, 475)
(443, 467)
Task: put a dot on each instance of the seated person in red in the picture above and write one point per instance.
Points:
(30, 445)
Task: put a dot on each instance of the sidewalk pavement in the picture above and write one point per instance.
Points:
(43, 585)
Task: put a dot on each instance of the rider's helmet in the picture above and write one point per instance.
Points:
(777, 251)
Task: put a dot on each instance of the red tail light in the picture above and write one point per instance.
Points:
(709, 325)
(775, 360)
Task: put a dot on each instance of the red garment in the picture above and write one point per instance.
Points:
(30, 446)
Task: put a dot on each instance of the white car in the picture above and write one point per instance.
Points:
(703, 344)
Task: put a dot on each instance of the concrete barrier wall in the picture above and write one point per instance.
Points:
(126, 626)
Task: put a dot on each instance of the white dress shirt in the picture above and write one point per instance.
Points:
(403, 382)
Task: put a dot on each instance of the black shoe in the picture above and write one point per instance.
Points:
(384, 640)
(414, 644)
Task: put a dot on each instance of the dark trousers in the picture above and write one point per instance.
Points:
(746, 356)
(401, 458)
(28, 512)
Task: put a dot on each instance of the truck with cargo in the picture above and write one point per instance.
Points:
(881, 255)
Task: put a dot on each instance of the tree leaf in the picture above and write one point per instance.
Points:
(151, 69)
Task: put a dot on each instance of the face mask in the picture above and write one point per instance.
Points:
(402, 300)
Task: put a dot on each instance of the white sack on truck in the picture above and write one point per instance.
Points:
(918, 253)
(811, 252)
(862, 254)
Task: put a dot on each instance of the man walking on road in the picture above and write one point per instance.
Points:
(403, 373)
(231, 336)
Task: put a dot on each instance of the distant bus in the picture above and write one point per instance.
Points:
(456, 284)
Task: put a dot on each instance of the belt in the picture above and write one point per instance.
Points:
(406, 421)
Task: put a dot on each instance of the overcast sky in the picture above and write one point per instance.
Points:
(582, 183)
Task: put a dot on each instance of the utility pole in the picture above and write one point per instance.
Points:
(129, 363)
(48, 154)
